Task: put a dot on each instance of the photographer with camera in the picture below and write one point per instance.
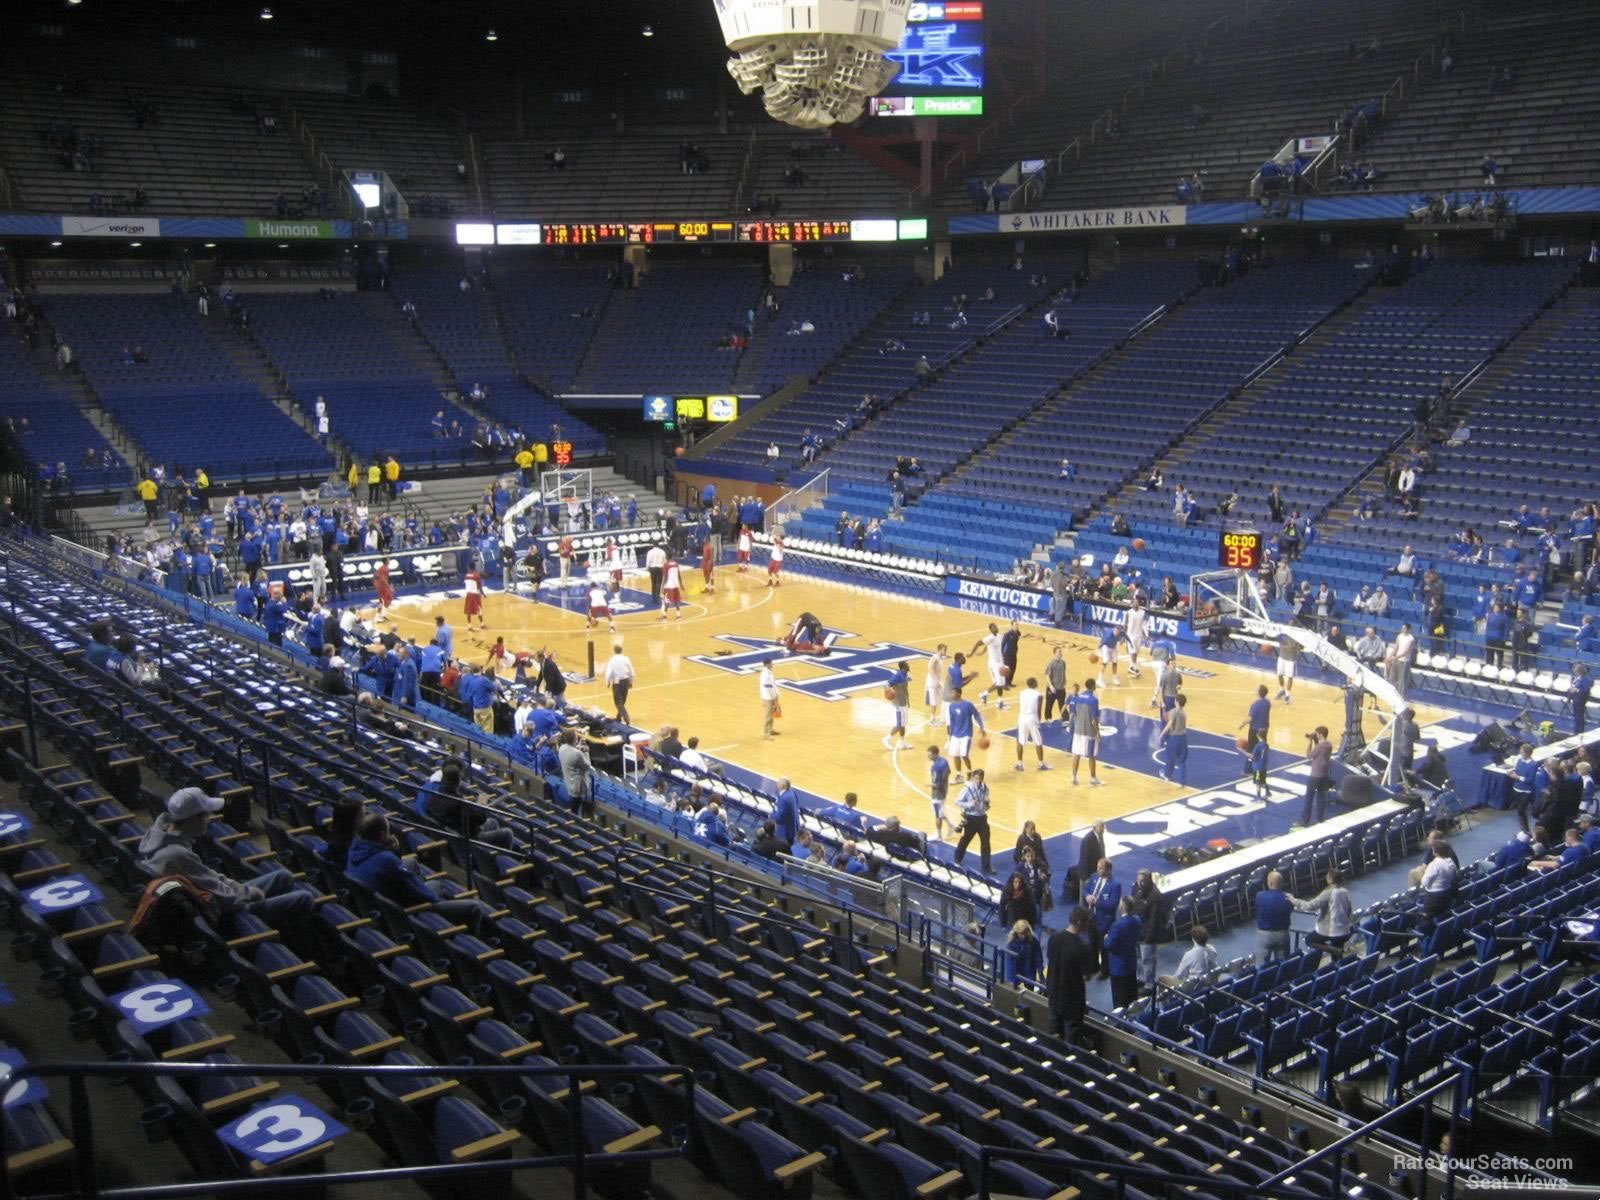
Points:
(1319, 753)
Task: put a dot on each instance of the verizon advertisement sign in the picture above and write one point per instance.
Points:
(111, 227)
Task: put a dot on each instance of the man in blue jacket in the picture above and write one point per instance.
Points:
(1122, 954)
(430, 666)
(404, 690)
(374, 863)
(276, 618)
(1273, 909)
(316, 635)
(786, 812)
(244, 599)
(1102, 897)
(476, 691)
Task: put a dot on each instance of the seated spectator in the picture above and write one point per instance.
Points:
(895, 836)
(1406, 564)
(850, 860)
(768, 844)
(691, 756)
(168, 848)
(709, 825)
(1572, 852)
(375, 863)
(1198, 962)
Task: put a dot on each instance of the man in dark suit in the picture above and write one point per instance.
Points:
(1070, 965)
(1090, 851)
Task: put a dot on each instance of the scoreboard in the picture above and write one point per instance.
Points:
(1239, 549)
(663, 233)
(651, 233)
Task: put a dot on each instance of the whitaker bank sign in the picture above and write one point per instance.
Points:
(1094, 218)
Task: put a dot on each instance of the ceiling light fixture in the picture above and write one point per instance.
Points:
(266, 14)
(491, 36)
(648, 31)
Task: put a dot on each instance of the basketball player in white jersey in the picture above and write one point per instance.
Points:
(933, 689)
(775, 564)
(1029, 733)
(744, 548)
(671, 591)
(996, 662)
(600, 606)
(1135, 631)
(614, 565)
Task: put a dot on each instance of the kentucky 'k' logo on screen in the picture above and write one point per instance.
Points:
(848, 669)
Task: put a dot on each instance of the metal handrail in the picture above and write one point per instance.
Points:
(85, 1168)
(1274, 1185)
(1124, 1173)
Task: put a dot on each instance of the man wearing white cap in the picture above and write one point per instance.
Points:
(168, 849)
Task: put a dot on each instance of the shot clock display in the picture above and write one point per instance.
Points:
(1239, 549)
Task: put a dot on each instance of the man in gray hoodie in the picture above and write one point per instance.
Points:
(168, 849)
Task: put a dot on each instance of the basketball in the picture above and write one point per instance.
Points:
(983, 741)
(888, 694)
(1138, 544)
(1005, 672)
(1266, 650)
(1093, 657)
(1243, 743)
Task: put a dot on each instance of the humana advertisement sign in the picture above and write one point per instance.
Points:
(288, 230)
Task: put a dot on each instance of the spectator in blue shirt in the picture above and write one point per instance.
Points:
(1259, 719)
(1515, 852)
(786, 811)
(374, 862)
(244, 599)
(316, 631)
(1523, 774)
(1025, 963)
(444, 637)
(276, 619)
(1589, 832)
(1496, 636)
(1529, 590)
(404, 690)
(430, 667)
(849, 860)
(1572, 853)
(477, 692)
(709, 825)
(1273, 908)
(1588, 638)
(1578, 693)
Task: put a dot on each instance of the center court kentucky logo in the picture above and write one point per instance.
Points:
(848, 669)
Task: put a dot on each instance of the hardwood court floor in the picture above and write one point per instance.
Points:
(688, 676)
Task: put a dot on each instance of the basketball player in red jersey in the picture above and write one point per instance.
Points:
(473, 601)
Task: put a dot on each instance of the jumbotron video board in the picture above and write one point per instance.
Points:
(941, 63)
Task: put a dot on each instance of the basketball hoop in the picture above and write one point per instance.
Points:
(815, 61)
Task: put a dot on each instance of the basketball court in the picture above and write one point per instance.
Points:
(699, 673)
